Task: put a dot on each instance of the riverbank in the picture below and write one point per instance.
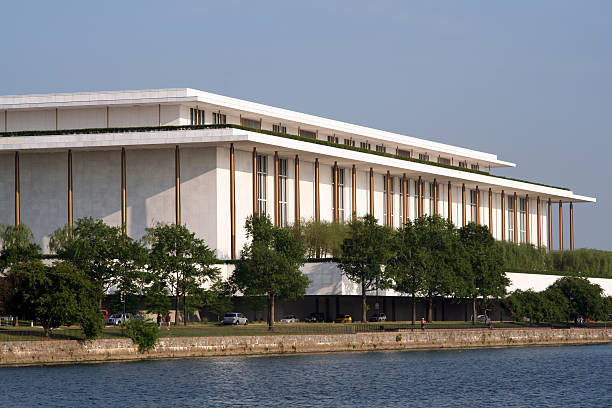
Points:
(103, 350)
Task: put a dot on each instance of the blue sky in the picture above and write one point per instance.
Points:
(529, 81)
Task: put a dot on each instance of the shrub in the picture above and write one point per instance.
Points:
(144, 333)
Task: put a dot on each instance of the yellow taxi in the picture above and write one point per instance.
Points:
(343, 318)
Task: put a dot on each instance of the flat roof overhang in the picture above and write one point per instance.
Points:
(246, 140)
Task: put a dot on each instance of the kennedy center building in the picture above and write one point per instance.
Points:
(134, 158)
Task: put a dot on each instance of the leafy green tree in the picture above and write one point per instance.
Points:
(321, 238)
(442, 258)
(54, 295)
(157, 298)
(366, 252)
(269, 264)
(16, 245)
(145, 333)
(486, 277)
(545, 306)
(406, 264)
(585, 299)
(178, 261)
(103, 252)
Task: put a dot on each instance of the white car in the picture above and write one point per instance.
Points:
(290, 319)
(118, 319)
(235, 318)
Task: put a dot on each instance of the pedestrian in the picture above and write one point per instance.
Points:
(422, 323)
(159, 320)
(168, 321)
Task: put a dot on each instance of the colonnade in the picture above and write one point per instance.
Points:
(335, 169)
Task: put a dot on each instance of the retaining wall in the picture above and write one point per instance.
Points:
(72, 351)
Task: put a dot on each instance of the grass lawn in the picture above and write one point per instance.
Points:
(10, 333)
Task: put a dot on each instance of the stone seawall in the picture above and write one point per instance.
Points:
(72, 351)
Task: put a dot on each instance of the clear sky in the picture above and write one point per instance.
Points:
(528, 81)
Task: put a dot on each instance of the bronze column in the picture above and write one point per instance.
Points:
(177, 170)
(515, 219)
(354, 192)
(463, 204)
(560, 225)
(371, 192)
(70, 206)
(404, 199)
(420, 205)
(254, 180)
(232, 202)
(297, 189)
(503, 215)
(571, 226)
(123, 193)
(490, 210)
(450, 202)
(435, 211)
(477, 206)
(388, 185)
(336, 209)
(276, 192)
(539, 224)
(527, 240)
(317, 202)
(17, 192)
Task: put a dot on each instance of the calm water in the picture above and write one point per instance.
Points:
(526, 377)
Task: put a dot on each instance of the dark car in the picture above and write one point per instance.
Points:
(315, 318)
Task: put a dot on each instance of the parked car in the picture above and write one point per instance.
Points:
(315, 318)
(610, 316)
(481, 318)
(343, 318)
(290, 318)
(118, 319)
(235, 318)
(378, 317)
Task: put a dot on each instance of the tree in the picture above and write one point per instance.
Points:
(584, 299)
(365, 253)
(441, 257)
(55, 294)
(406, 265)
(178, 261)
(269, 264)
(321, 238)
(109, 257)
(17, 245)
(545, 306)
(486, 277)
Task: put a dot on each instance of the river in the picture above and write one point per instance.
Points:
(513, 377)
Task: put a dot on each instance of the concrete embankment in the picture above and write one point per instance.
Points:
(72, 351)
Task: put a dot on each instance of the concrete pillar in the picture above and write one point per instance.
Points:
(232, 202)
(297, 189)
(354, 191)
(560, 225)
(550, 233)
(17, 192)
(450, 202)
(404, 199)
(70, 205)
(463, 203)
(490, 210)
(503, 215)
(123, 193)
(371, 191)
(539, 225)
(527, 240)
(388, 201)
(572, 226)
(177, 169)
(317, 196)
(276, 192)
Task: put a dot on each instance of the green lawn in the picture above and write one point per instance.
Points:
(9, 333)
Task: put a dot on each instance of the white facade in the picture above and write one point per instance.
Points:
(204, 162)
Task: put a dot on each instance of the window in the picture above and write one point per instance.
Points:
(219, 119)
(252, 123)
(308, 133)
(349, 142)
(391, 191)
(415, 198)
(522, 218)
(423, 156)
(332, 139)
(197, 116)
(475, 167)
(282, 191)
(279, 128)
(432, 195)
(340, 194)
(462, 164)
(510, 218)
(364, 145)
(444, 160)
(403, 153)
(473, 207)
(381, 148)
(262, 173)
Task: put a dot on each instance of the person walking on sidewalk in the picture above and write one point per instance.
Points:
(168, 318)
(159, 320)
